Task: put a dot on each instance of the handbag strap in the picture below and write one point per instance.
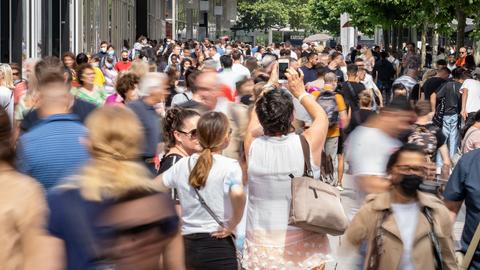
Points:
(202, 201)
(471, 249)
(437, 252)
(377, 242)
(307, 168)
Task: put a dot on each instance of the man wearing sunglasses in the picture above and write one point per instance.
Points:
(462, 54)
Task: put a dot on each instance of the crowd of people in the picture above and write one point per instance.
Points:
(181, 155)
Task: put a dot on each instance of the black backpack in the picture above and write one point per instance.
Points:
(328, 101)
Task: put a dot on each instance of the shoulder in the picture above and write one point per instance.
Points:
(22, 184)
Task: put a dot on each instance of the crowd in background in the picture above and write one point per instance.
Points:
(179, 155)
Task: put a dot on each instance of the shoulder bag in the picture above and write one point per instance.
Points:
(464, 260)
(315, 205)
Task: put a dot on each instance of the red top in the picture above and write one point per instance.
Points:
(122, 66)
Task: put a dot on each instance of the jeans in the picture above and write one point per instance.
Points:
(331, 149)
(451, 132)
(386, 89)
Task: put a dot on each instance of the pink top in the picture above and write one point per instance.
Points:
(114, 99)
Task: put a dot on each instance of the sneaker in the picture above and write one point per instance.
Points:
(340, 188)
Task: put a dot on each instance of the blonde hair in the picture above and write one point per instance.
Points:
(7, 75)
(368, 54)
(139, 68)
(212, 128)
(116, 138)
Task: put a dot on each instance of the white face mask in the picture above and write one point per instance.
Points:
(103, 49)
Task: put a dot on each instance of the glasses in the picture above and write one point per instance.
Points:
(192, 134)
(15, 73)
(463, 52)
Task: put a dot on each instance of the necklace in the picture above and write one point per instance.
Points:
(182, 151)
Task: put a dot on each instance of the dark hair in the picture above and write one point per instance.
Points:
(311, 55)
(383, 54)
(470, 62)
(236, 55)
(405, 148)
(352, 69)
(275, 110)
(243, 81)
(80, 70)
(7, 153)
(444, 69)
(213, 47)
(50, 70)
(186, 59)
(335, 55)
(226, 61)
(212, 128)
(398, 86)
(261, 78)
(398, 104)
(81, 59)
(125, 83)
(190, 76)
(173, 76)
(441, 62)
(251, 63)
(285, 52)
(103, 42)
(459, 73)
(174, 121)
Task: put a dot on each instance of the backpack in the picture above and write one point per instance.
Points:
(328, 101)
(425, 138)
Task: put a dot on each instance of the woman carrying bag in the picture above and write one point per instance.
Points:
(211, 194)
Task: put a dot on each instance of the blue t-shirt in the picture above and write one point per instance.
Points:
(53, 149)
(309, 74)
(151, 125)
(71, 220)
(464, 184)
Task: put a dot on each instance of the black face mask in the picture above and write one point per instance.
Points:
(125, 59)
(410, 184)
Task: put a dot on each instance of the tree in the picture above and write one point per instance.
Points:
(324, 16)
(262, 14)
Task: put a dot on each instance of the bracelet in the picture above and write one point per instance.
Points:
(302, 96)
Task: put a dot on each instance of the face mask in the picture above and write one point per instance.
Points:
(125, 59)
(111, 53)
(144, 41)
(410, 184)
(108, 65)
(103, 50)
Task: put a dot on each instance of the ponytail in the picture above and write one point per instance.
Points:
(199, 174)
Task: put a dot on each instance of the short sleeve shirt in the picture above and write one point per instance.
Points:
(463, 185)
(224, 175)
(473, 98)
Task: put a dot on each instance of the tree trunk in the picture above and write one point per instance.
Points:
(435, 38)
(399, 38)
(414, 36)
(461, 23)
(424, 45)
(386, 38)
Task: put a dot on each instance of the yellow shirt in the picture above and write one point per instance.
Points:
(334, 131)
(99, 78)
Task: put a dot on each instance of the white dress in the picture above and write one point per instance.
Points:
(270, 243)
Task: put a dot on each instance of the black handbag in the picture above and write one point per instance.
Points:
(439, 113)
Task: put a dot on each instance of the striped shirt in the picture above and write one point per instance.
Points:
(52, 149)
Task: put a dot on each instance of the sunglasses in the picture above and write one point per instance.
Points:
(463, 52)
(192, 134)
(166, 227)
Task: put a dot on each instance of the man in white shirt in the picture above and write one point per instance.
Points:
(370, 145)
(212, 53)
(228, 77)
(470, 97)
(237, 66)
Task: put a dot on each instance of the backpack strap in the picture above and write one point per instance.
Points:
(437, 251)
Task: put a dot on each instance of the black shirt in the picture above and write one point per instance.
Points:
(350, 91)
(80, 108)
(167, 162)
(384, 70)
(450, 91)
(431, 86)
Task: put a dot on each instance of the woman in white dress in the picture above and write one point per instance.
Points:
(270, 242)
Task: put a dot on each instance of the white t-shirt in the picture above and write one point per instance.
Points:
(241, 71)
(473, 98)
(229, 77)
(368, 150)
(6, 102)
(224, 174)
(406, 217)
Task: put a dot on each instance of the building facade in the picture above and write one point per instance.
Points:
(36, 28)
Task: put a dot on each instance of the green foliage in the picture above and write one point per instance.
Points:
(262, 14)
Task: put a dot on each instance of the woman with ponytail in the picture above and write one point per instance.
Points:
(115, 171)
(218, 181)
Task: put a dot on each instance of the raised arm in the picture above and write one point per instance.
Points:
(316, 134)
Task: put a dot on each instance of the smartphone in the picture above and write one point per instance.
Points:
(283, 65)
